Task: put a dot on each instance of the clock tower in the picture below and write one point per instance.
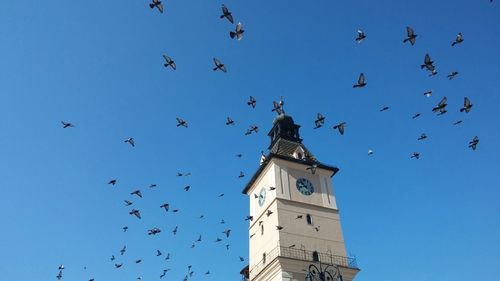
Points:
(295, 219)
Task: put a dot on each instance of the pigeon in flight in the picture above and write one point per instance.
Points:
(118, 265)
(415, 155)
(158, 253)
(175, 231)
(384, 108)
(112, 182)
(428, 94)
(429, 65)
(361, 81)
(249, 218)
(112, 258)
(67, 125)
(467, 106)
(165, 206)
(227, 232)
(125, 228)
(138, 261)
(229, 121)
(169, 62)
(361, 36)
(241, 175)
(452, 75)
(252, 102)
(278, 107)
(252, 129)
(187, 187)
(279, 227)
(410, 36)
(130, 141)
(457, 122)
(473, 143)
(238, 32)
(269, 212)
(441, 107)
(416, 115)
(137, 192)
(154, 231)
(320, 121)
(226, 14)
(122, 251)
(423, 136)
(459, 39)
(181, 122)
(219, 66)
(157, 4)
(152, 185)
(312, 168)
(241, 258)
(340, 126)
(59, 275)
(370, 152)
(135, 213)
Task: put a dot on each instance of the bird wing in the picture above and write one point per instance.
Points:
(442, 102)
(466, 102)
(341, 129)
(217, 62)
(230, 18)
(427, 59)
(160, 7)
(239, 27)
(167, 58)
(409, 31)
(361, 79)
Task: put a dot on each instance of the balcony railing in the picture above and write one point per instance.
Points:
(303, 255)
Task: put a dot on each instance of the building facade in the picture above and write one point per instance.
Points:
(295, 220)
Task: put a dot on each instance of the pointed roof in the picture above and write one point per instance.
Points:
(286, 144)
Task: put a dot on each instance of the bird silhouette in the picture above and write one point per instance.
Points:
(467, 106)
(156, 4)
(410, 36)
(67, 125)
(130, 141)
(226, 14)
(252, 102)
(219, 66)
(452, 75)
(169, 62)
(459, 39)
(361, 36)
(341, 127)
(136, 213)
(238, 32)
(229, 121)
(473, 143)
(441, 107)
(320, 121)
(181, 122)
(361, 81)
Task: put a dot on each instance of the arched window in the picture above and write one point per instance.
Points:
(309, 219)
(315, 256)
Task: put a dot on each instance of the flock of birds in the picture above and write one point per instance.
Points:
(440, 109)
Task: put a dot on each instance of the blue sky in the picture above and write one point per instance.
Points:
(98, 64)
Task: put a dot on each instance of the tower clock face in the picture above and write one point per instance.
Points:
(262, 196)
(305, 186)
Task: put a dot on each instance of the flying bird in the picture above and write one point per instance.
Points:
(423, 136)
(416, 115)
(130, 141)
(370, 152)
(384, 108)
(227, 232)
(169, 62)
(59, 275)
(226, 14)
(165, 206)
(361, 81)
(467, 106)
(187, 187)
(473, 143)
(252, 102)
(428, 94)
(241, 175)
(441, 107)
(429, 65)
(122, 251)
(67, 125)
(320, 121)
(181, 122)
(118, 265)
(157, 4)
(154, 231)
(137, 192)
(457, 122)
(452, 75)
(361, 36)
(252, 129)
(410, 36)
(136, 213)
(238, 32)
(279, 227)
(219, 66)
(125, 228)
(415, 155)
(229, 121)
(459, 39)
(341, 127)
(174, 232)
(158, 253)
(112, 182)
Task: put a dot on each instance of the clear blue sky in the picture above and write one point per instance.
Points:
(99, 65)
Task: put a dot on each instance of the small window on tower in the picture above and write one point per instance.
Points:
(315, 256)
(299, 153)
(309, 219)
(261, 229)
(264, 258)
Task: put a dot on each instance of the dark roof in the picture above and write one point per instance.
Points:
(306, 161)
